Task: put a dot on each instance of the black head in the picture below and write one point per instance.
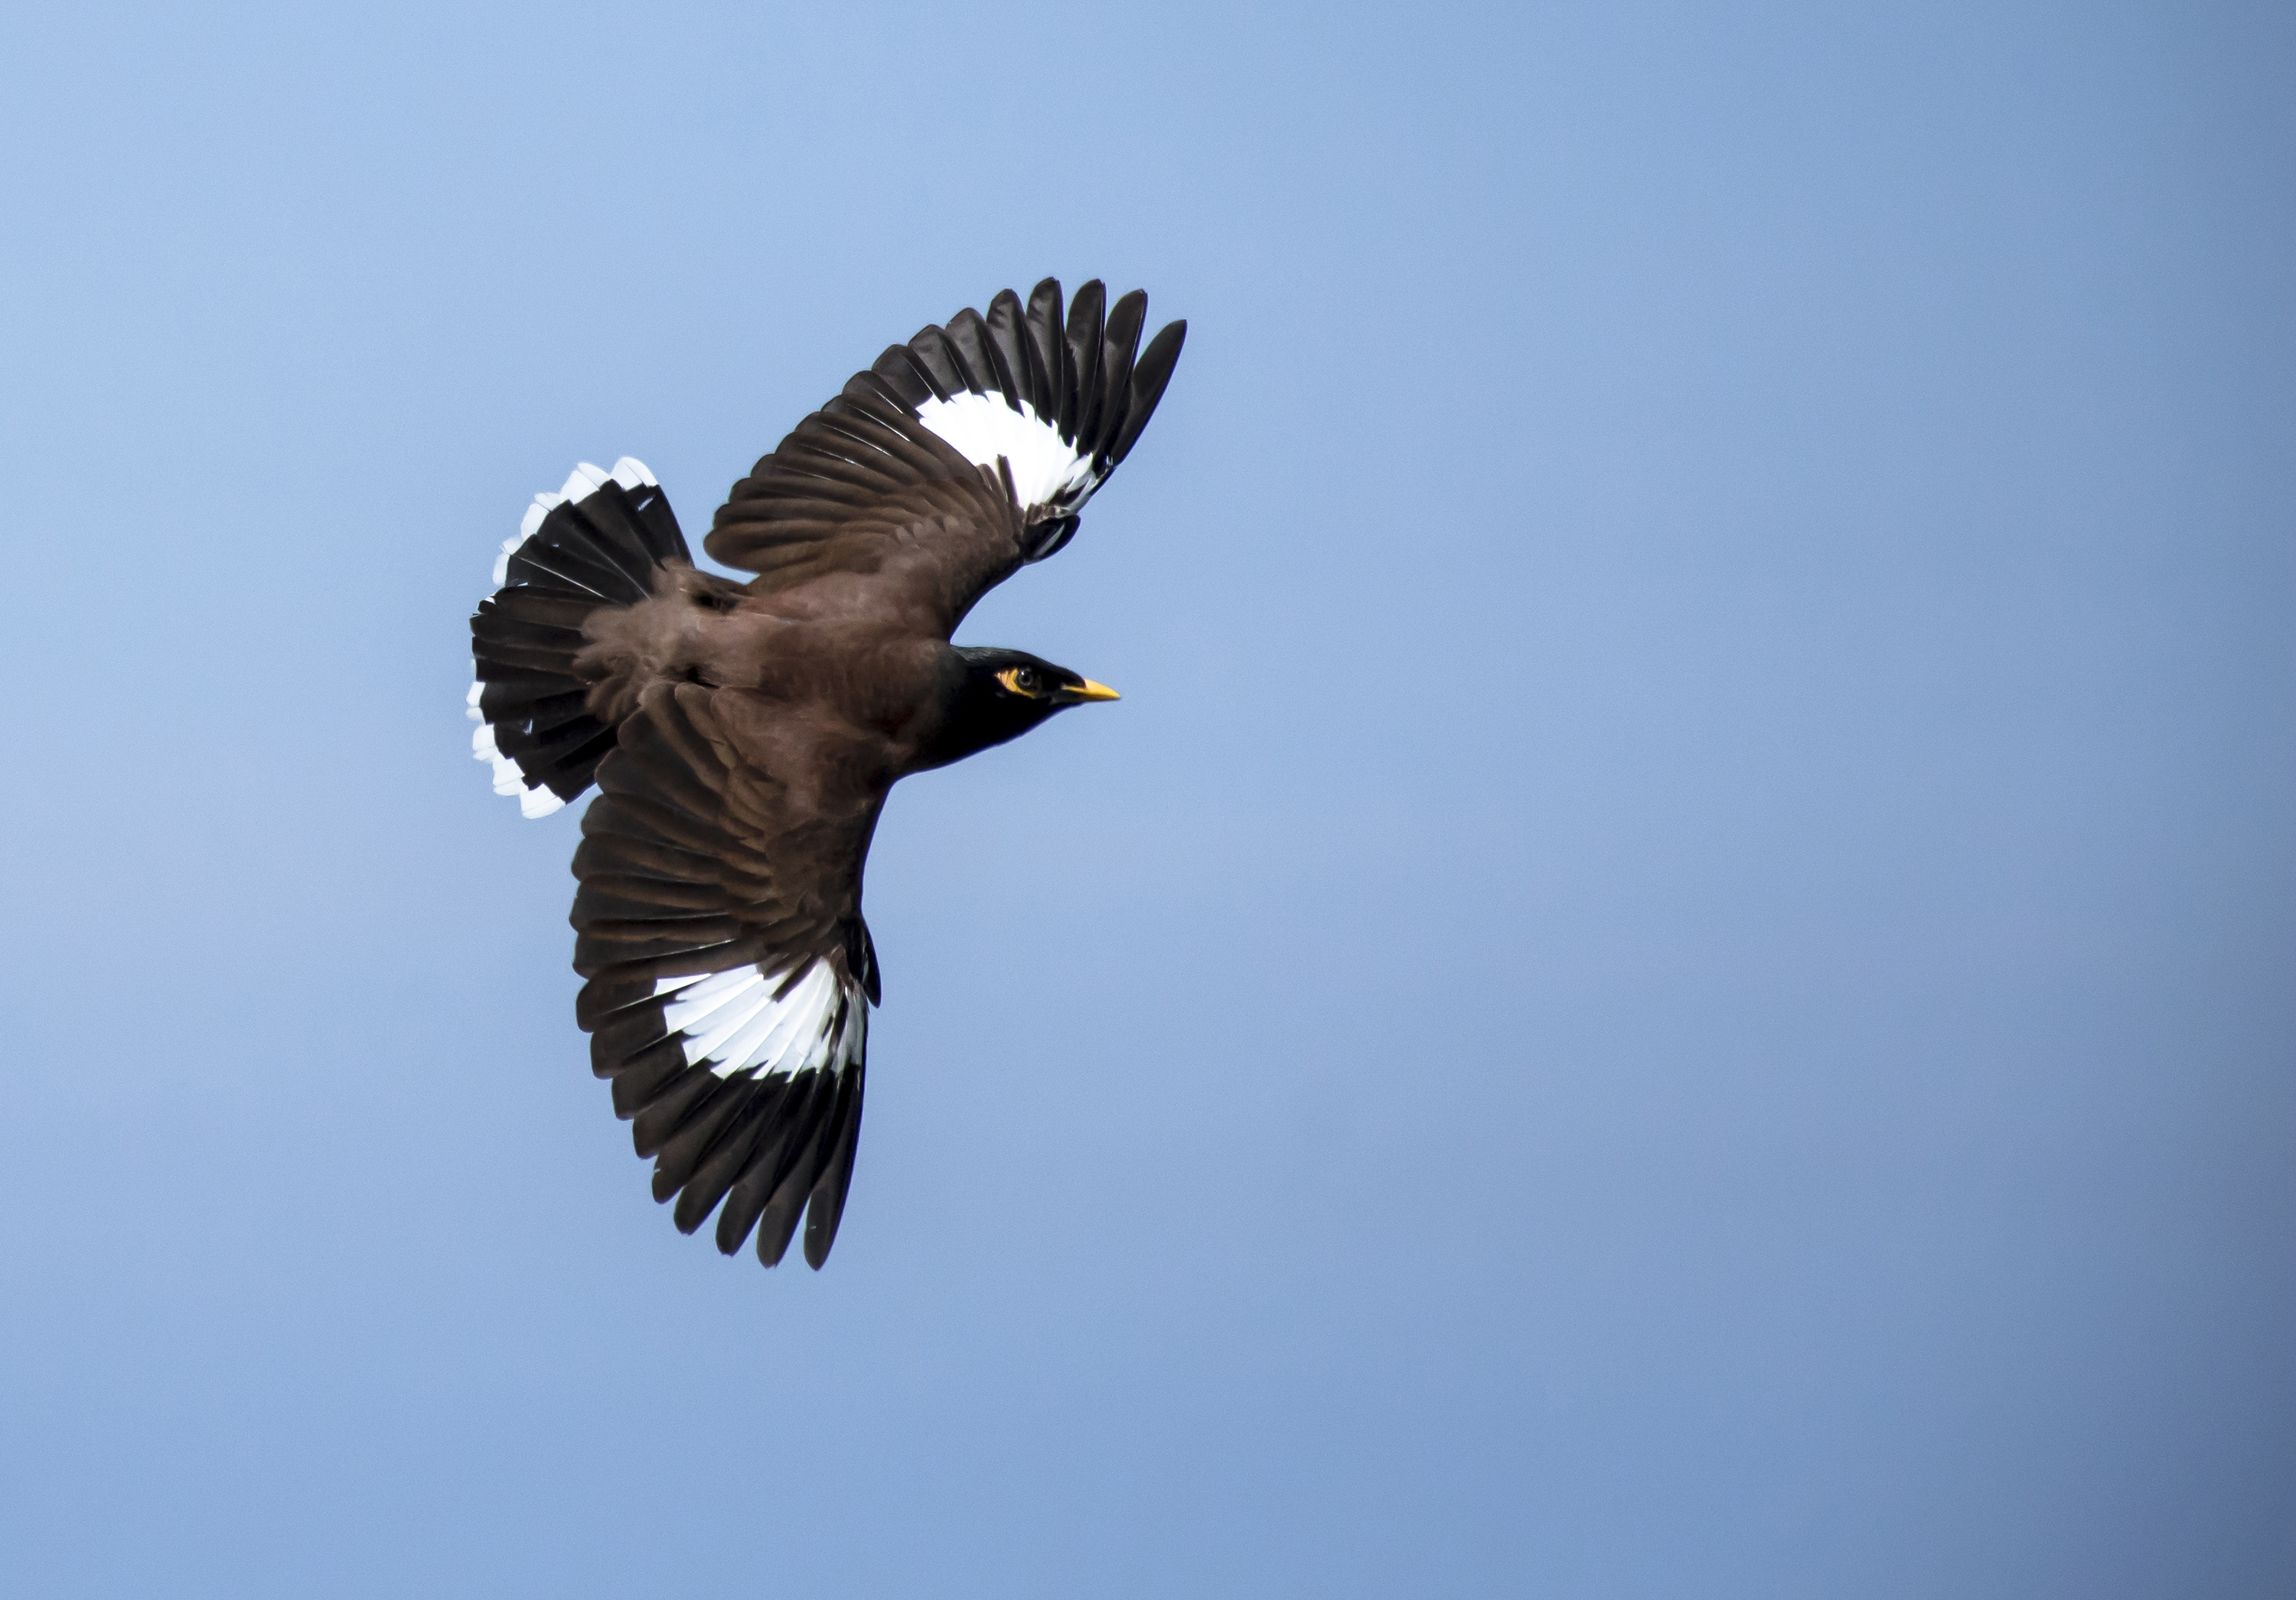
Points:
(1004, 693)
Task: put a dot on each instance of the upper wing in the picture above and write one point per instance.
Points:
(958, 456)
(730, 975)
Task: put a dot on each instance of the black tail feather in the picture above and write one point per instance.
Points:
(597, 543)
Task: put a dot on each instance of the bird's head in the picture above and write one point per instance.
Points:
(1004, 693)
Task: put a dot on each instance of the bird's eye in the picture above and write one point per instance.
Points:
(1024, 680)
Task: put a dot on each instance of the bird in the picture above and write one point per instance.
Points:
(741, 737)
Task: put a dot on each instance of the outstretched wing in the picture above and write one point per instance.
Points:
(958, 456)
(730, 975)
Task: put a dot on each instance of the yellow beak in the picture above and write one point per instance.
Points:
(1092, 690)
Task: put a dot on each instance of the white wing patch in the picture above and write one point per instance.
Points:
(733, 1020)
(1046, 470)
(581, 483)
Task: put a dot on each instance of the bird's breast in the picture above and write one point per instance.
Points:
(854, 686)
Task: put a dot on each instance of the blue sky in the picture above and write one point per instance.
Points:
(1674, 978)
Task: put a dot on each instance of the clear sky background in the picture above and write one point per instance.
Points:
(1676, 977)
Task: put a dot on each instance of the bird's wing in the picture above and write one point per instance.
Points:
(958, 457)
(729, 972)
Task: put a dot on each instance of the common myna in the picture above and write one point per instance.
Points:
(743, 736)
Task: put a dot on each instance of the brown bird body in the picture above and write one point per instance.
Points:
(743, 737)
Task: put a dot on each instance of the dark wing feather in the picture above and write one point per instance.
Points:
(729, 973)
(862, 496)
(954, 460)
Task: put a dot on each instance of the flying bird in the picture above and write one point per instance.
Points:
(743, 736)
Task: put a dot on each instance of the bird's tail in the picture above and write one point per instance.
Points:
(596, 542)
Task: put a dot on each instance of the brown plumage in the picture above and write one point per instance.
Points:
(743, 737)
